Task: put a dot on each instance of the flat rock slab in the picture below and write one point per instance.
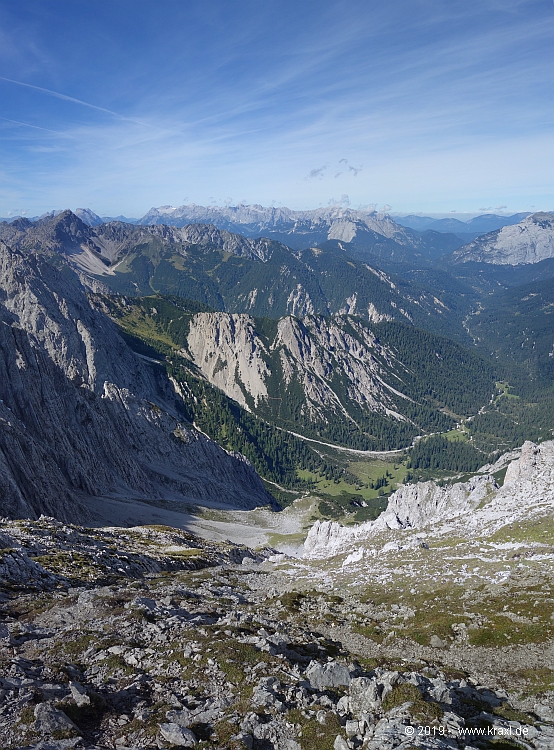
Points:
(177, 735)
(328, 676)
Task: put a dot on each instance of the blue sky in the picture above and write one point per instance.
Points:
(420, 105)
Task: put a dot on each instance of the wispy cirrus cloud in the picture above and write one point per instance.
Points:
(249, 99)
(63, 97)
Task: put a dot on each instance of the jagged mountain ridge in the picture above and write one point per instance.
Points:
(230, 272)
(357, 384)
(83, 417)
(478, 507)
(364, 230)
(112, 240)
(67, 234)
(88, 217)
(529, 241)
(248, 219)
(258, 219)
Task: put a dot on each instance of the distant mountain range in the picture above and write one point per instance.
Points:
(299, 229)
(466, 230)
(529, 241)
(431, 238)
(252, 220)
(259, 276)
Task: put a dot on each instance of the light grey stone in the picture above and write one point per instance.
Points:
(544, 712)
(329, 675)
(279, 734)
(79, 694)
(530, 241)
(75, 742)
(343, 705)
(178, 735)
(365, 695)
(340, 743)
(352, 727)
(49, 719)
(182, 718)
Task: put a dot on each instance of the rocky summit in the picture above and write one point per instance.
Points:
(529, 241)
(149, 637)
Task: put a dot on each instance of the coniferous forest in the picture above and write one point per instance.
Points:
(447, 384)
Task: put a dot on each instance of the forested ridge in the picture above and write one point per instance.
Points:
(446, 383)
(434, 381)
(316, 280)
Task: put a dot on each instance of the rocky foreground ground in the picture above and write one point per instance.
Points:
(152, 638)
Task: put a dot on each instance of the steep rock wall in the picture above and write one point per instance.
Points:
(82, 416)
(229, 353)
(530, 241)
(316, 353)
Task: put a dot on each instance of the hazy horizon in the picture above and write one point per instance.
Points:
(461, 216)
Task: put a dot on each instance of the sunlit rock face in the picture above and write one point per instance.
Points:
(478, 507)
(530, 241)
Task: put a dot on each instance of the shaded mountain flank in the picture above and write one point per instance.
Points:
(84, 417)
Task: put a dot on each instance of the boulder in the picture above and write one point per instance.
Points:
(180, 736)
(329, 675)
(79, 694)
(365, 695)
(49, 719)
(181, 718)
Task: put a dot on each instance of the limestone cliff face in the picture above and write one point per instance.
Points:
(413, 506)
(525, 466)
(530, 241)
(416, 505)
(333, 362)
(477, 507)
(228, 351)
(320, 351)
(82, 416)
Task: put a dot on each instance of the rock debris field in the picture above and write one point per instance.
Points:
(150, 637)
